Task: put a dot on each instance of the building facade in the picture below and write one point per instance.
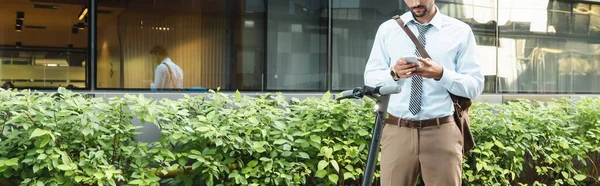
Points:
(524, 46)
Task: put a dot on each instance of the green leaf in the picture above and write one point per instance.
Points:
(321, 173)
(36, 168)
(333, 178)
(134, 182)
(63, 91)
(193, 152)
(218, 142)
(519, 138)
(253, 120)
(286, 153)
(155, 150)
(12, 162)
(580, 177)
(315, 138)
(322, 164)
(348, 175)
(182, 161)
(565, 174)
(64, 167)
(327, 95)
(287, 147)
(328, 152)
(279, 141)
(555, 156)
(268, 166)
(79, 178)
(238, 95)
(252, 163)
(564, 145)
(210, 181)
(39, 183)
(335, 165)
(488, 145)
(209, 151)
(45, 141)
(203, 129)
(38, 132)
(42, 156)
(196, 165)
(363, 132)
(337, 147)
(303, 155)
(499, 144)
(260, 149)
(510, 149)
(87, 131)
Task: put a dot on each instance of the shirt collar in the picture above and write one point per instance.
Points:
(436, 21)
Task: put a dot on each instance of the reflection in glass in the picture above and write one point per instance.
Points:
(354, 25)
(562, 59)
(193, 33)
(43, 45)
(297, 45)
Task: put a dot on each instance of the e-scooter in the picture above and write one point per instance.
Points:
(381, 95)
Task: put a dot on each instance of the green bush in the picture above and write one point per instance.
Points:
(68, 139)
(553, 143)
(221, 139)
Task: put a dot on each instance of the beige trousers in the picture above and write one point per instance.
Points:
(434, 152)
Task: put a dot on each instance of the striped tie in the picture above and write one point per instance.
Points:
(417, 81)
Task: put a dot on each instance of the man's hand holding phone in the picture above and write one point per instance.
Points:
(406, 66)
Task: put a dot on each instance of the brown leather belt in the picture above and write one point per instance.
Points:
(393, 120)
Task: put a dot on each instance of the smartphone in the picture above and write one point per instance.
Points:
(412, 59)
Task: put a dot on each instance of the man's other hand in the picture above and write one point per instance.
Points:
(404, 69)
(429, 69)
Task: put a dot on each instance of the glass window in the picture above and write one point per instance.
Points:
(529, 46)
(354, 25)
(180, 44)
(296, 45)
(563, 58)
(43, 44)
(250, 46)
(247, 45)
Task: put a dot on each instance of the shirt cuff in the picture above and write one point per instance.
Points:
(448, 78)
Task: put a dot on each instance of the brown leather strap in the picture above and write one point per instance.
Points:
(171, 77)
(413, 38)
(393, 120)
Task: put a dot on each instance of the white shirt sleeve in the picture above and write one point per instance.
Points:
(467, 80)
(377, 69)
(159, 77)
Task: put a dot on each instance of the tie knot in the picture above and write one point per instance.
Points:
(422, 28)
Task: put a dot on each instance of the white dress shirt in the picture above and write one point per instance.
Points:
(449, 42)
(162, 79)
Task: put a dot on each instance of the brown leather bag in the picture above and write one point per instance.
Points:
(461, 104)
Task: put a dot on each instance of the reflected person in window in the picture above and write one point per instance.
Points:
(420, 135)
(8, 85)
(167, 74)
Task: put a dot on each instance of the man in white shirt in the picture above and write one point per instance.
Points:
(167, 74)
(420, 135)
